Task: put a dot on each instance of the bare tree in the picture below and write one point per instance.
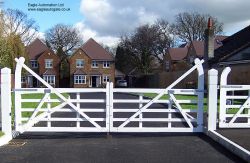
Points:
(191, 26)
(164, 38)
(63, 39)
(17, 23)
(146, 46)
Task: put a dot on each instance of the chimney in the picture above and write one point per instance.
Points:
(209, 41)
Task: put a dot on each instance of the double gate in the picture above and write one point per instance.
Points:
(108, 109)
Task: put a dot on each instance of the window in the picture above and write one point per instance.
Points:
(167, 65)
(50, 79)
(106, 64)
(34, 64)
(23, 79)
(94, 64)
(79, 63)
(80, 79)
(48, 63)
(105, 79)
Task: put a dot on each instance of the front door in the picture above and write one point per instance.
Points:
(94, 83)
(35, 82)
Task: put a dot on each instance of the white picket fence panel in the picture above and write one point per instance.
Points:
(45, 116)
(234, 109)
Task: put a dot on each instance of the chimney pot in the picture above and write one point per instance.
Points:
(210, 23)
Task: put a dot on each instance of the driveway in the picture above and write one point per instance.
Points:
(127, 148)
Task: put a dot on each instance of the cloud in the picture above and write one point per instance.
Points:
(112, 18)
(86, 33)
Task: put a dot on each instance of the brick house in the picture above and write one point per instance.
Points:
(44, 62)
(182, 58)
(91, 66)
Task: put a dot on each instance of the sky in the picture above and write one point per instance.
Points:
(107, 20)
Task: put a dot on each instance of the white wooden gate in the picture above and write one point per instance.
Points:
(55, 111)
(234, 103)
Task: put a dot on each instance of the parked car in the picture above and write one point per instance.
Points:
(121, 83)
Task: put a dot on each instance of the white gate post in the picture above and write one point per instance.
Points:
(223, 94)
(18, 75)
(200, 94)
(212, 99)
(6, 101)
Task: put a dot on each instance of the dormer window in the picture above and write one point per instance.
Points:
(34, 64)
(94, 64)
(79, 63)
(48, 63)
(106, 64)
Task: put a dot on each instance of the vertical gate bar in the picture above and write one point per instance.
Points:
(111, 96)
(200, 103)
(78, 106)
(140, 105)
(18, 105)
(49, 111)
(212, 99)
(169, 113)
(223, 94)
(107, 107)
(6, 101)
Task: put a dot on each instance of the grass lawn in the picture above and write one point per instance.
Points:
(1, 133)
(194, 106)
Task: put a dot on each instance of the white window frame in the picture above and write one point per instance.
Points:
(106, 64)
(79, 65)
(23, 79)
(94, 64)
(48, 63)
(33, 63)
(106, 78)
(51, 79)
(80, 79)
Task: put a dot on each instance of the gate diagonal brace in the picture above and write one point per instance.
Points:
(180, 110)
(240, 110)
(198, 63)
(39, 106)
(56, 92)
(41, 116)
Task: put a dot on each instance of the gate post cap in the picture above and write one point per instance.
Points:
(21, 59)
(5, 70)
(213, 72)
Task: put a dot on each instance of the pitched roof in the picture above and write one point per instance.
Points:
(177, 54)
(95, 51)
(35, 49)
(199, 45)
(233, 44)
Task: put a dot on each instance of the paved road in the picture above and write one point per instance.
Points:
(124, 148)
